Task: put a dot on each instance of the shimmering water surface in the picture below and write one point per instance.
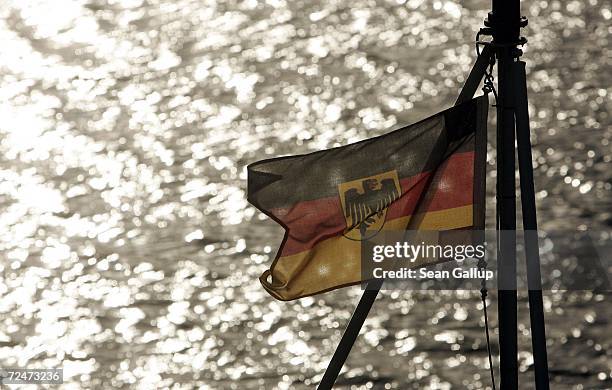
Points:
(129, 254)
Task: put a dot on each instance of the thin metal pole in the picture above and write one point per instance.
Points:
(350, 335)
(505, 21)
(530, 225)
(475, 77)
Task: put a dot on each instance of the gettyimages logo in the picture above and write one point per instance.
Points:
(427, 251)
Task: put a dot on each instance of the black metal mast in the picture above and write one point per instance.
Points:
(530, 225)
(505, 23)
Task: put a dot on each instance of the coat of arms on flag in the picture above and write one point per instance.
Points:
(425, 176)
(365, 202)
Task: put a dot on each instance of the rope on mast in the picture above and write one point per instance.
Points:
(488, 87)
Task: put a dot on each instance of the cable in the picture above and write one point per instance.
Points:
(483, 294)
(488, 86)
(482, 264)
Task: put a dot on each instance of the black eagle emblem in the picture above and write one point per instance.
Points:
(362, 208)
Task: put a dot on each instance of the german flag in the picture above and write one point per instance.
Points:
(425, 176)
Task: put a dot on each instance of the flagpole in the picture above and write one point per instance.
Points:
(475, 77)
(350, 335)
(371, 292)
(505, 23)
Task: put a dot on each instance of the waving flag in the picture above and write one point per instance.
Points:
(427, 176)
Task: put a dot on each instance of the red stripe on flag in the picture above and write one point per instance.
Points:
(313, 221)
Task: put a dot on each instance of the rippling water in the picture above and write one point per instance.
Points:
(129, 254)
